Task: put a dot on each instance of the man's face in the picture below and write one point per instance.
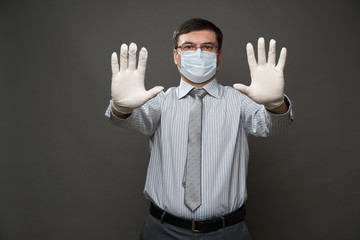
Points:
(197, 38)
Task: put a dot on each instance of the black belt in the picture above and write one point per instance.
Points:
(208, 225)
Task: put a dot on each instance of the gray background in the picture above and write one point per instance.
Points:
(66, 173)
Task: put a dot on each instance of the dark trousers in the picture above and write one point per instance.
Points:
(153, 229)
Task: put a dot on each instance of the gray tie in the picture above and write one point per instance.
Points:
(192, 175)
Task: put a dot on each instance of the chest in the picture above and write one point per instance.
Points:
(219, 116)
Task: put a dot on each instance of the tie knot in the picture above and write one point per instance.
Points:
(196, 92)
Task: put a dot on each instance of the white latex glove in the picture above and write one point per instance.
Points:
(127, 82)
(267, 79)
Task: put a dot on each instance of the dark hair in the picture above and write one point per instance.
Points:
(196, 24)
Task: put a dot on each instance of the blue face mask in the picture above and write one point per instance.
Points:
(198, 66)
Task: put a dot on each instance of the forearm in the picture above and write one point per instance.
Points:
(279, 118)
(260, 122)
(144, 119)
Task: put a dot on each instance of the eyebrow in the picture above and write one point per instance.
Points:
(188, 42)
(201, 43)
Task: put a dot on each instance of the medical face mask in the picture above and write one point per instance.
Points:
(198, 66)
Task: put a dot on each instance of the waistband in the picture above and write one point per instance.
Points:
(207, 225)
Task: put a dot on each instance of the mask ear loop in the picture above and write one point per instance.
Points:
(177, 63)
(217, 66)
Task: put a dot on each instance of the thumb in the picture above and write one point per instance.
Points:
(241, 87)
(154, 91)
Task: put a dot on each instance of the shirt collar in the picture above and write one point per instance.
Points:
(212, 88)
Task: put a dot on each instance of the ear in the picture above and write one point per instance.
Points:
(219, 55)
(218, 58)
(176, 57)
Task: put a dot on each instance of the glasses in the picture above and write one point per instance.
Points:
(207, 47)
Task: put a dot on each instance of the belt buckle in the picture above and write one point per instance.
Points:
(193, 227)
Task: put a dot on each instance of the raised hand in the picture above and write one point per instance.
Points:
(127, 82)
(267, 78)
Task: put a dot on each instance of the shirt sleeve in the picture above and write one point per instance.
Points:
(144, 119)
(262, 123)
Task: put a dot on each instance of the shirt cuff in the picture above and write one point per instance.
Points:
(289, 112)
(110, 114)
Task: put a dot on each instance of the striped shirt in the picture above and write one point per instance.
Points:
(228, 117)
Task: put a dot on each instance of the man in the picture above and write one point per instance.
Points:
(196, 179)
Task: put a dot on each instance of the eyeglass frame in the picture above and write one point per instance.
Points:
(196, 48)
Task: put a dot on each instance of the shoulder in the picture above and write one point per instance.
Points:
(170, 94)
(230, 92)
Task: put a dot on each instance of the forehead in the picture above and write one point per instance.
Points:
(198, 37)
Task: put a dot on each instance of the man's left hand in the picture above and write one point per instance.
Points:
(267, 78)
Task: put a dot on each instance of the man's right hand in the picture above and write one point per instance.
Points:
(127, 82)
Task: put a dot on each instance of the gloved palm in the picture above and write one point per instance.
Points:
(267, 79)
(127, 83)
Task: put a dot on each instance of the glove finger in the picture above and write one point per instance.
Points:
(261, 52)
(282, 59)
(272, 52)
(143, 55)
(123, 57)
(132, 56)
(241, 87)
(114, 64)
(154, 91)
(251, 56)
